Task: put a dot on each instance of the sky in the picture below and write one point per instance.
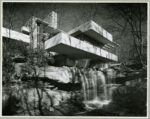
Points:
(70, 15)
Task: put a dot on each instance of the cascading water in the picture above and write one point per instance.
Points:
(94, 88)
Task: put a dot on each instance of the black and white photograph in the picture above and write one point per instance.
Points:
(74, 59)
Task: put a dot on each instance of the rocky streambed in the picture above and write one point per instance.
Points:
(50, 94)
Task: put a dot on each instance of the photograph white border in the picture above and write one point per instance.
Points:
(79, 1)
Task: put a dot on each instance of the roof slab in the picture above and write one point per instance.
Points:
(8, 33)
(94, 31)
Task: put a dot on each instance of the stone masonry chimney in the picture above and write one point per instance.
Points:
(51, 18)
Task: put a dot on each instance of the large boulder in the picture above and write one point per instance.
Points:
(61, 74)
(27, 100)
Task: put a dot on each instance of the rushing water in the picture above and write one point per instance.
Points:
(94, 88)
(96, 92)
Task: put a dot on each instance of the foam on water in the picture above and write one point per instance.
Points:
(94, 88)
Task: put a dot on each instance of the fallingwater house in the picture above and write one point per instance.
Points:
(76, 57)
(87, 41)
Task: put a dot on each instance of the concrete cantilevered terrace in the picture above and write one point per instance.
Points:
(65, 44)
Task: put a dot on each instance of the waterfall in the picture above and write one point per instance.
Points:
(94, 87)
(83, 84)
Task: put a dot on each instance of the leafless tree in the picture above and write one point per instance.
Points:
(132, 16)
(88, 12)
